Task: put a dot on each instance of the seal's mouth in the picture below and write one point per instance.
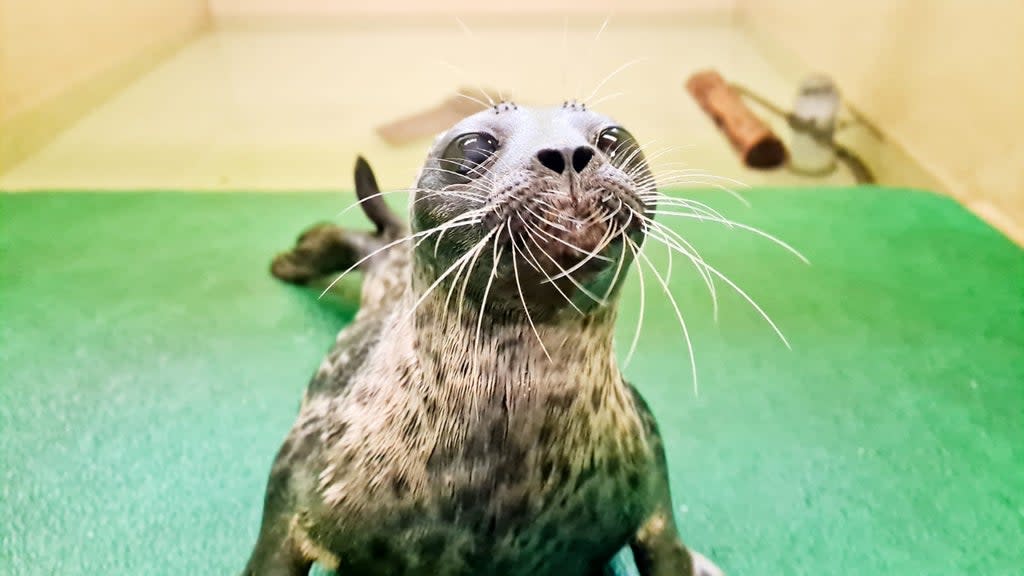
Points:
(576, 229)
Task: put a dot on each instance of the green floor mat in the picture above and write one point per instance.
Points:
(150, 367)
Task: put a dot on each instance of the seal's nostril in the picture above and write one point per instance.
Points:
(581, 157)
(552, 160)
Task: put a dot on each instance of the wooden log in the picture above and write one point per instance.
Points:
(750, 136)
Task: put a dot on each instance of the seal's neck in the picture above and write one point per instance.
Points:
(462, 353)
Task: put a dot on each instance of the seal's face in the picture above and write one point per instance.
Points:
(544, 202)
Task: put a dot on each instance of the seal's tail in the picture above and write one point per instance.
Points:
(326, 248)
(387, 222)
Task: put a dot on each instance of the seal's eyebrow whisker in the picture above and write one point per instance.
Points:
(608, 78)
(606, 98)
(472, 99)
(459, 70)
(519, 289)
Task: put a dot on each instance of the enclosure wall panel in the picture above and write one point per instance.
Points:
(943, 78)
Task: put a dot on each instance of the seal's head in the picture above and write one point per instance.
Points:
(545, 206)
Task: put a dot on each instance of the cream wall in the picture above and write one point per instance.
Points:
(47, 46)
(944, 78)
(245, 8)
(58, 58)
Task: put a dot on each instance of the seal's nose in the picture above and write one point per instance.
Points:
(581, 157)
(555, 160)
(552, 160)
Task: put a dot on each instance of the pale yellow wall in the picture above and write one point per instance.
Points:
(48, 46)
(245, 8)
(945, 78)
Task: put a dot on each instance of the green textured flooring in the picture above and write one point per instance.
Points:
(150, 367)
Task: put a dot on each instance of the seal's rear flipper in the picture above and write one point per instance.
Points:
(326, 248)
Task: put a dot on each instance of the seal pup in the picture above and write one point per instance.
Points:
(472, 419)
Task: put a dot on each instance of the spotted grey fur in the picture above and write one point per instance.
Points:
(489, 432)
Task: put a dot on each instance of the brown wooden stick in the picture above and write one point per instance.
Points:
(750, 136)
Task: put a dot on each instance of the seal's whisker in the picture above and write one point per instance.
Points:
(622, 259)
(576, 283)
(643, 298)
(664, 180)
(471, 185)
(679, 316)
(750, 301)
(455, 281)
(469, 254)
(675, 242)
(635, 150)
(496, 257)
(545, 220)
(479, 172)
(657, 231)
(557, 214)
(609, 235)
(360, 201)
(519, 289)
(422, 234)
(717, 273)
(733, 223)
(538, 266)
(661, 152)
(691, 179)
(665, 170)
(566, 243)
(448, 194)
(478, 214)
(695, 207)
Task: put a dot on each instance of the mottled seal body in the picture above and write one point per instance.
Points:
(472, 419)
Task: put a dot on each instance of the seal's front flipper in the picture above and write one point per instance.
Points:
(321, 250)
(326, 249)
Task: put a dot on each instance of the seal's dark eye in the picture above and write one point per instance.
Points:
(466, 153)
(620, 147)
